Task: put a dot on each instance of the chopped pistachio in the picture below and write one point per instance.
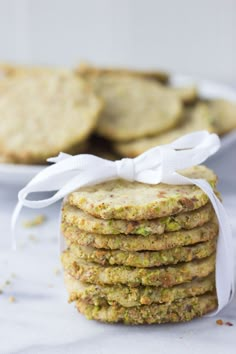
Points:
(38, 220)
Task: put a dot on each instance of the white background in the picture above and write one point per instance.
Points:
(187, 36)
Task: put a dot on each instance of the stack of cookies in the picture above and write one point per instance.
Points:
(139, 253)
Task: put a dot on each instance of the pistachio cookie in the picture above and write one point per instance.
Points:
(178, 311)
(152, 242)
(73, 218)
(134, 107)
(135, 296)
(194, 118)
(41, 115)
(144, 259)
(165, 276)
(120, 199)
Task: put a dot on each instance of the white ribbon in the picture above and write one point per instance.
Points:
(159, 164)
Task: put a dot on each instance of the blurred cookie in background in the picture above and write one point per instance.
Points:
(44, 113)
(134, 106)
(195, 118)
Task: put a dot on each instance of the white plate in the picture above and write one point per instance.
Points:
(18, 174)
(21, 174)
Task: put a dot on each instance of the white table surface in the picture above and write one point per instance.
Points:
(41, 321)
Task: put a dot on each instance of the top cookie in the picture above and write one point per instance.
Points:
(41, 115)
(134, 107)
(120, 199)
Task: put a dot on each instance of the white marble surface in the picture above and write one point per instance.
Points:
(41, 321)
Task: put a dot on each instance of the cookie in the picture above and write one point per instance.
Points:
(129, 297)
(178, 311)
(41, 115)
(143, 259)
(224, 115)
(134, 107)
(166, 276)
(187, 94)
(12, 70)
(87, 71)
(120, 199)
(139, 243)
(88, 223)
(197, 118)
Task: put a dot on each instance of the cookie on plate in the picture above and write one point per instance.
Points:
(224, 115)
(187, 94)
(134, 107)
(87, 71)
(41, 115)
(194, 118)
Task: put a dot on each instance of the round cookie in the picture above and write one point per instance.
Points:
(224, 115)
(120, 199)
(197, 118)
(72, 216)
(166, 276)
(13, 70)
(129, 297)
(41, 115)
(87, 71)
(187, 94)
(139, 243)
(179, 311)
(145, 259)
(134, 107)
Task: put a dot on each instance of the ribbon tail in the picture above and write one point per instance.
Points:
(224, 255)
(14, 218)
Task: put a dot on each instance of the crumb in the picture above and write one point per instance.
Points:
(7, 282)
(13, 275)
(1, 291)
(38, 220)
(32, 238)
(12, 299)
(57, 271)
(219, 322)
(230, 324)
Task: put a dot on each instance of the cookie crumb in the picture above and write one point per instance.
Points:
(57, 271)
(38, 220)
(12, 299)
(230, 324)
(32, 238)
(219, 322)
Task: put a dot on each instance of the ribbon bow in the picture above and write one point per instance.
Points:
(159, 164)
